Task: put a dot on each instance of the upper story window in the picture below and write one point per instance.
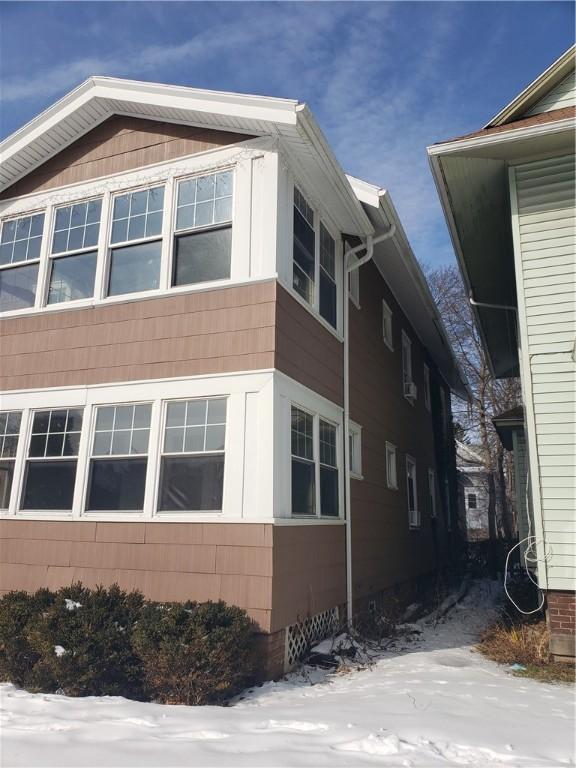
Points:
(9, 433)
(136, 241)
(314, 261)
(74, 252)
(427, 394)
(407, 380)
(20, 245)
(412, 493)
(203, 242)
(472, 501)
(387, 325)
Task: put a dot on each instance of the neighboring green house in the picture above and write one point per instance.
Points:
(508, 196)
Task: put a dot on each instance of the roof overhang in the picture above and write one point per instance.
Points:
(471, 175)
(397, 264)
(98, 98)
(507, 423)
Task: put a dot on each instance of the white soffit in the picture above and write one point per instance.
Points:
(98, 98)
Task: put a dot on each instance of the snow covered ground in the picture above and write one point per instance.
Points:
(433, 702)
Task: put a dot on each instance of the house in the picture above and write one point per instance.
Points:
(508, 197)
(190, 402)
(474, 491)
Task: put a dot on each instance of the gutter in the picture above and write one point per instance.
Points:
(371, 241)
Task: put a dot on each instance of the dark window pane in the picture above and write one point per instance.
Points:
(23, 228)
(153, 224)
(74, 422)
(304, 236)
(54, 446)
(138, 203)
(191, 483)
(37, 225)
(41, 421)
(411, 504)
(9, 231)
(91, 235)
(135, 268)
(78, 215)
(60, 242)
(120, 231)
(327, 299)
(58, 421)
(116, 484)
(187, 192)
(34, 248)
(72, 278)
(75, 238)
(136, 227)
(6, 253)
(37, 445)
(156, 199)
(71, 444)
(9, 447)
(203, 256)
(49, 485)
(63, 218)
(303, 488)
(6, 474)
(20, 250)
(328, 492)
(18, 287)
(121, 207)
(94, 209)
(13, 422)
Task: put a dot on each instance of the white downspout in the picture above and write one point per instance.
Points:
(350, 267)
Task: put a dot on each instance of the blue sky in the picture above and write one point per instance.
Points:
(383, 79)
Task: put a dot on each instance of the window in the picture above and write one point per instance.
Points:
(117, 474)
(136, 237)
(412, 493)
(328, 470)
(303, 463)
(328, 289)
(192, 463)
(432, 492)
(427, 398)
(304, 257)
(408, 384)
(9, 432)
(472, 501)
(74, 252)
(203, 242)
(355, 438)
(391, 470)
(20, 243)
(387, 325)
(50, 472)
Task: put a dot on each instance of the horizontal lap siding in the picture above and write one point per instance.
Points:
(218, 331)
(562, 95)
(546, 232)
(166, 561)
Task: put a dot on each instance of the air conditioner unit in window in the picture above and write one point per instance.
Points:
(410, 390)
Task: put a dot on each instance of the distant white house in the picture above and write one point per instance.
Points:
(508, 193)
(473, 492)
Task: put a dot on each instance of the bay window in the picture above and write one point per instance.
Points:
(192, 462)
(9, 434)
(117, 472)
(50, 471)
(20, 243)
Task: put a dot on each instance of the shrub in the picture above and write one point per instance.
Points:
(83, 643)
(194, 653)
(18, 612)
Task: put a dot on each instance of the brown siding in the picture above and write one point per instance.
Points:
(385, 550)
(229, 329)
(120, 144)
(166, 561)
(305, 350)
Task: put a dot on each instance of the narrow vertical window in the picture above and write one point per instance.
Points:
(192, 464)
(427, 396)
(432, 492)
(391, 469)
(74, 252)
(472, 502)
(387, 325)
(9, 433)
(50, 472)
(117, 475)
(408, 384)
(136, 240)
(328, 291)
(304, 256)
(20, 242)
(203, 241)
(328, 470)
(412, 493)
(303, 463)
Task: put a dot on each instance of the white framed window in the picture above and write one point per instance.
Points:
(203, 228)
(52, 459)
(192, 457)
(20, 246)
(315, 465)
(74, 252)
(10, 422)
(412, 493)
(432, 492)
(391, 467)
(119, 458)
(472, 501)
(408, 386)
(314, 263)
(355, 441)
(387, 325)
(427, 395)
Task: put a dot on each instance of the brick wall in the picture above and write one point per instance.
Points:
(562, 622)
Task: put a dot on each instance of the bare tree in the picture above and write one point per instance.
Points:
(489, 396)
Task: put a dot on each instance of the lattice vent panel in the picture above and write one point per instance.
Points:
(300, 637)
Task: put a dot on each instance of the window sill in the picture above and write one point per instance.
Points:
(309, 308)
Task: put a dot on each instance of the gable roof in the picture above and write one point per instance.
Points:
(538, 88)
(98, 98)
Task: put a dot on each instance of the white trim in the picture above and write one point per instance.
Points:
(355, 432)
(414, 516)
(391, 452)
